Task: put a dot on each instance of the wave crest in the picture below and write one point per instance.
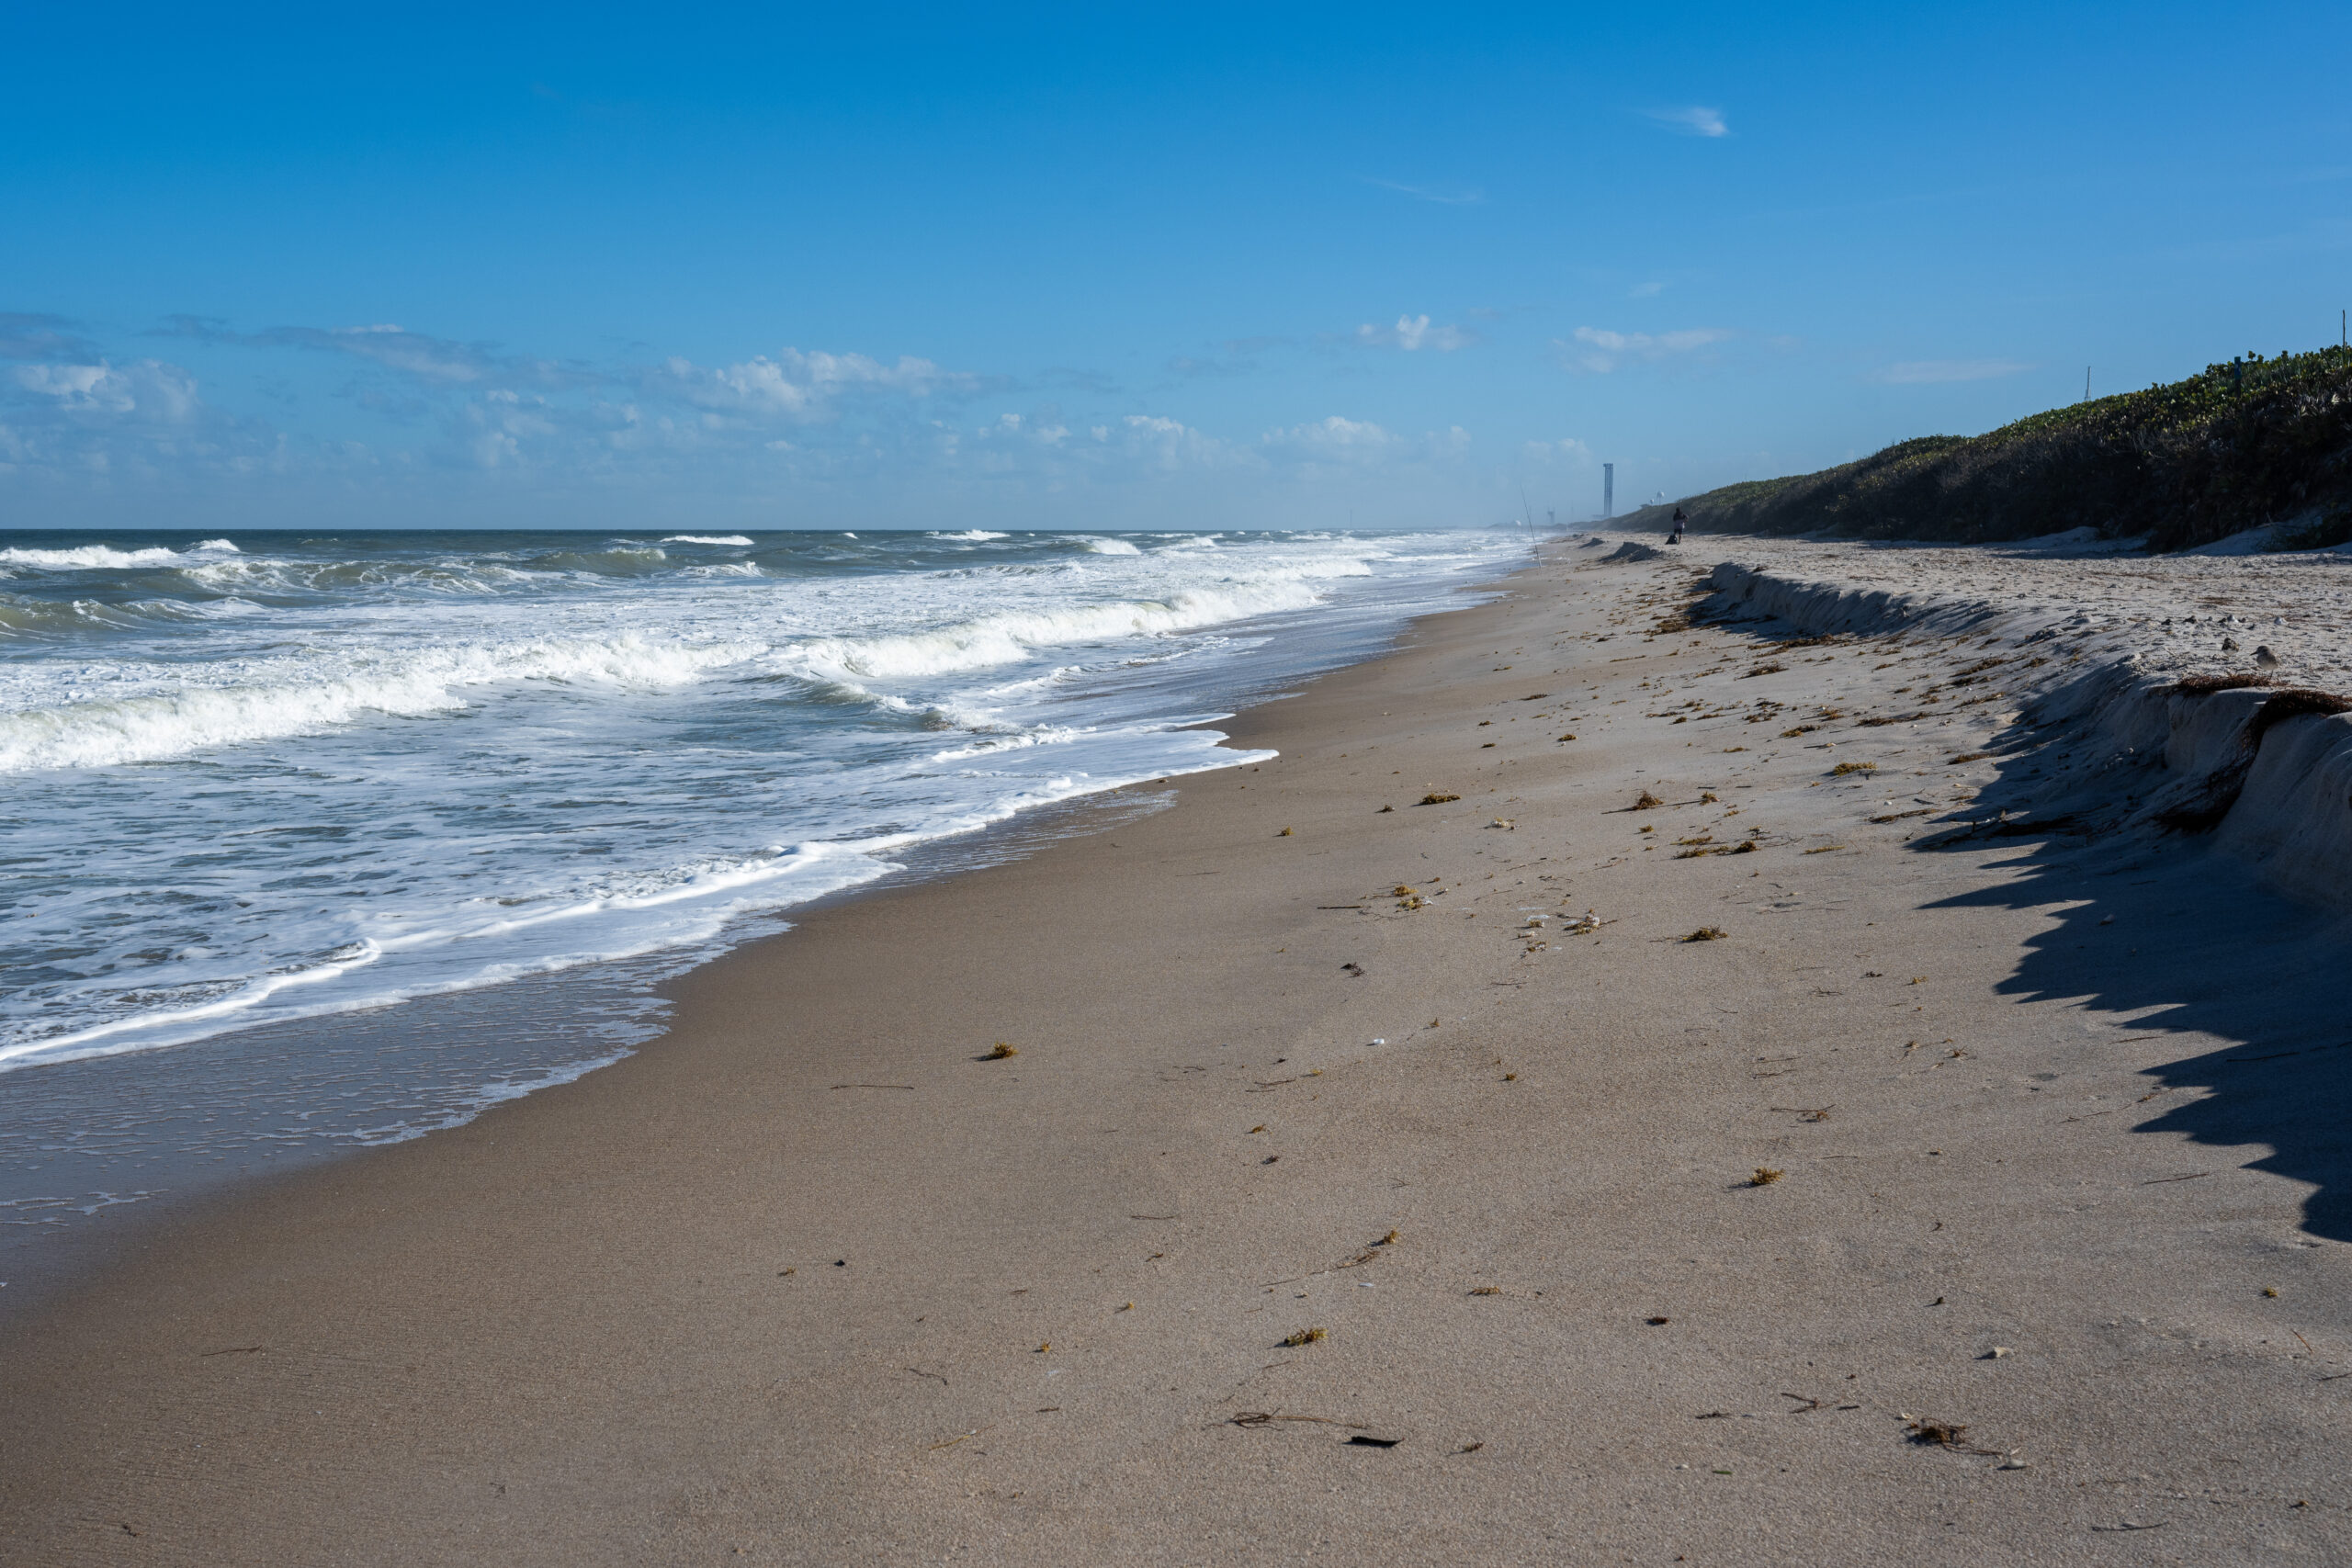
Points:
(155, 726)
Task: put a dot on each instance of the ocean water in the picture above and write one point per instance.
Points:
(303, 832)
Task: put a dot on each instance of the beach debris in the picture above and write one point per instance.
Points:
(1800, 729)
(953, 1442)
(1503, 822)
(1647, 802)
(1259, 1128)
(1707, 797)
(1585, 924)
(1383, 810)
(2229, 645)
(1660, 1322)
(1807, 1113)
(1701, 839)
(1128, 1307)
(1997, 1352)
(873, 1086)
(1511, 1077)
(1762, 669)
(1304, 1337)
(1936, 1434)
(1825, 849)
(1254, 1419)
(1486, 1291)
(1361, 1440)
(1765, 1176)
(1707, 934)
(1000, 1051)
(1842, 769)
(1043, 1347)
(1355, 969)
(1469, 1447)
(1284, 834)
(1571, 736)
(1437, 797)
(2270, 1290)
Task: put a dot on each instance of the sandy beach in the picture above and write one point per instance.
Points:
(1381, 1173)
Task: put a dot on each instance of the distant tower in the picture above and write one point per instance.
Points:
(1608, 490)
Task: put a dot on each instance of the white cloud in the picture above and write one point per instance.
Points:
(1333, 438)
(1360, 444)
(149, 389)
(797, 384)
(1919, 372)
(1646, 290)
(1423, 193)
(1694, 120)
(1568, 449)
(1412, 332)
(1597, 350)
(436, 362)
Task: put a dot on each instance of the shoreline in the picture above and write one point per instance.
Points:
(727, 1295)
(614, 1005)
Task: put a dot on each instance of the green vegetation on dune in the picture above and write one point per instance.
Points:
(2246, 443)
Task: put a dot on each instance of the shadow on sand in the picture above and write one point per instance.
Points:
(2182, 940)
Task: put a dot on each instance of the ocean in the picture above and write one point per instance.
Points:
(324, 839)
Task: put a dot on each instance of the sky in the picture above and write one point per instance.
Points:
(1203, 265)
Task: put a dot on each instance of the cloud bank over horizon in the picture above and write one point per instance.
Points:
(409, 419)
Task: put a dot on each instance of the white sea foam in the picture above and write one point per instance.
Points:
(145, 729)
(1010, 635)
(706, 539)
(106, 558)
(90, 557)
(266, 786)
(971, 535)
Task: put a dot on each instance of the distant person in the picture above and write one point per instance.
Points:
(1676, 537)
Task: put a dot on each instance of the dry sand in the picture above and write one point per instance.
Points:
(2052, 1119)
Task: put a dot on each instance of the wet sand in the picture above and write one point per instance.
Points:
(810, 1281)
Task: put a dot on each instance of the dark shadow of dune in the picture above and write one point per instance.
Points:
(2183, 942)
(2167, 937)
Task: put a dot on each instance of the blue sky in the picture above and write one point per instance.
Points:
(1207, 266)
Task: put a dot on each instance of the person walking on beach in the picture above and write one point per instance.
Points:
(1676, 537)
